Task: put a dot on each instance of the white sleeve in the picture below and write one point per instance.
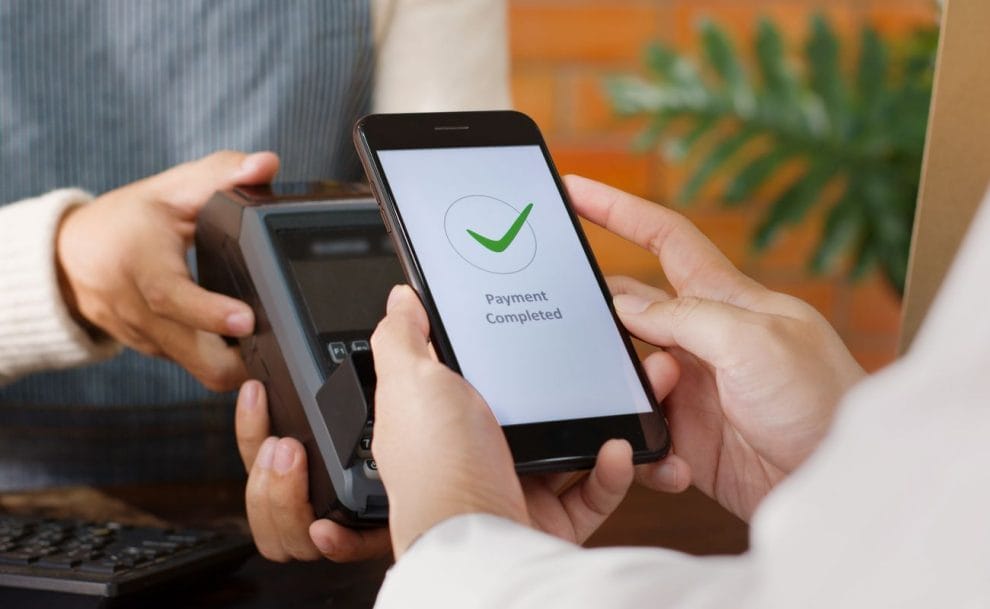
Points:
(438, 55)
(36, 329)
(890, 511)
(479, 561)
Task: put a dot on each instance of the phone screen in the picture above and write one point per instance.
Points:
(524, 313)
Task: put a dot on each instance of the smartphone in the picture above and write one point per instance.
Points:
(517, 305)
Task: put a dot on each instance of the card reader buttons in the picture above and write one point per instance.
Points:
(364, 446)
(360, 345)
(371, 469)
(338, 352)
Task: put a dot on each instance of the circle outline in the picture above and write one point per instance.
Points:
(536, 244)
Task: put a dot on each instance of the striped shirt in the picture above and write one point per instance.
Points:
(99, 93)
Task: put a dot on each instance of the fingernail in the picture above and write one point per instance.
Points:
(666, 475)
(324, 545)
(249, 395)
(248, 166)
(394, 296)
(266, 454)
(630, 303)
(240, 323)
(285, 456)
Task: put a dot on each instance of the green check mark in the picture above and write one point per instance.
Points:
(502, 244)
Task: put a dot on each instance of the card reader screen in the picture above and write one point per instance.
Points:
(343, 275)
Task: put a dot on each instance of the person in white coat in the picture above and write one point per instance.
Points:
(861, 492)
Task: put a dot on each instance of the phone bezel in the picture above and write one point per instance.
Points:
(546, 446)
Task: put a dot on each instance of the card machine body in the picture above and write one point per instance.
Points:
(314, 262)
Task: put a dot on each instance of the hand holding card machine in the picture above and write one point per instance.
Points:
(315, 264)
(517, 305)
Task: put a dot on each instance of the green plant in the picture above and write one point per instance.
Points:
(855, 137)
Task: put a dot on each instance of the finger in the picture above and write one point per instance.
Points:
(256, 168)
(288, 495)
(251, 421)
(672, 475)
(259, 516)
(403, 335)
(692, 263)
(561, 481)
(712, 331)
(187, 187)
(620, 284)
(663, 371)
(214, 364)
(178, 298)
(591, 501)
(341, 544)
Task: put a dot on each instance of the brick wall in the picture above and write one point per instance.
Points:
(561, 51)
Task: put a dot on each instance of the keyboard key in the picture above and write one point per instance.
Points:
(106, 567)
(17, 557)
(60, 561)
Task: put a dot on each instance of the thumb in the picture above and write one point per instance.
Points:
(188, 186)
(713, 331)
(256, 168)
(403, 336)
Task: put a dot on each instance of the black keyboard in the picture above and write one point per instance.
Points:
(107, 558)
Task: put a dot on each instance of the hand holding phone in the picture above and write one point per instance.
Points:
(515, 301)
(459, 443)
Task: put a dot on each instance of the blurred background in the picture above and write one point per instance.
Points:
(832, 96)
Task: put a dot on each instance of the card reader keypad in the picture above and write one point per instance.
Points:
(339, 351)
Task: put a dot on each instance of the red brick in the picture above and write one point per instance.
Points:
(792, 248)
(591, 110)
(729, 230)
(582, 32)
(902, 17)
(610, 164)
(874, 308)
(740, 20)
(874, 359)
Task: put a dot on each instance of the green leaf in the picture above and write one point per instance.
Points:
(822, 52)
(649, 139)
(679, 147)
(868, 123)
(661, 60)
(793, 205)
(722, 57)
(844, 223)
(754, 175)
(719, 156)
(778, 78)
(872, 73)
(672, 68)
(865, 257)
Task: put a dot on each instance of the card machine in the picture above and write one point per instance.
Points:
(314, 262)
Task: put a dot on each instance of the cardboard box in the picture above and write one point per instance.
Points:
(956, 170)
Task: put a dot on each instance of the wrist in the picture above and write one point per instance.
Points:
(66, 289)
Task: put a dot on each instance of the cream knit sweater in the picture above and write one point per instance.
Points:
(36, 329)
